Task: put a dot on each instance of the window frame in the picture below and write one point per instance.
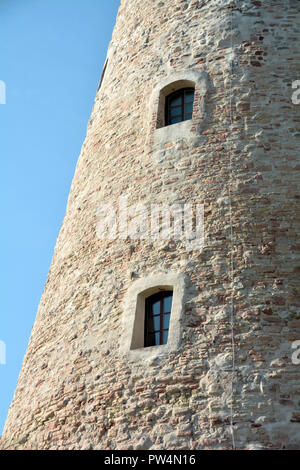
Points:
(149, 302)
(181, 93)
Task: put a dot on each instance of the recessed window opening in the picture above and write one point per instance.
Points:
(157, 318)
(179, 106)
(152, 312)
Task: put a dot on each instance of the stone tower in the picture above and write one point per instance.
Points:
(225, 378)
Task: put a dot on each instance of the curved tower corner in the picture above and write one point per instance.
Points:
(225, 378)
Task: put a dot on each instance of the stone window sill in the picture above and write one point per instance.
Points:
(173, 132)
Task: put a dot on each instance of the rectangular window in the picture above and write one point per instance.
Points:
(157, 318)
(179, 106)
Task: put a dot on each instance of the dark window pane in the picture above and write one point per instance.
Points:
(156, 308)
(176, 119)
(150, 324)
(150, 340)
(167, 304)
(188, 116)
(188, 108)
(176, 101)
(165, 337)
(157, 338)
(167, 321)
(177, 111)
(177, 116)
(175, 106)
(156, 323)
(189, 96)
(153, 339)
(153, 324)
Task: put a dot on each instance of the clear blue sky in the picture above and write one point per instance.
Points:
(51, 57)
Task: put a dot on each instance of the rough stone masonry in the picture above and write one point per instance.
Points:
(230, 382)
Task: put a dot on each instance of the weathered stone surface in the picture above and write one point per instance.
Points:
(241, 314)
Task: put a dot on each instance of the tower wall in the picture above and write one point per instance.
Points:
(229, 380)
